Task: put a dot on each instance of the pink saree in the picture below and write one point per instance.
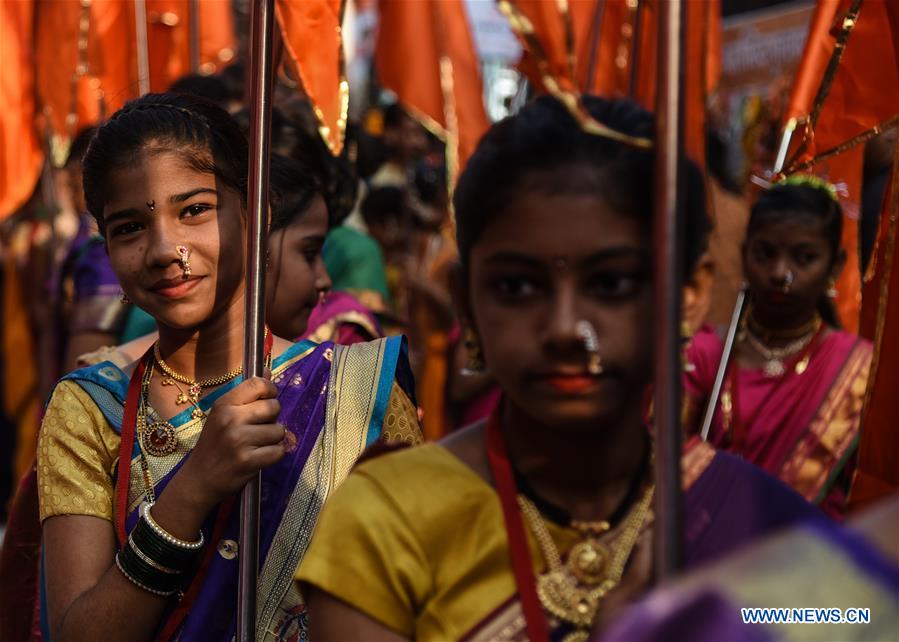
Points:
(801, 427)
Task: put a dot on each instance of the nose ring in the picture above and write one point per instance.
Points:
(587, 334)
(184, 253)
(789, 277)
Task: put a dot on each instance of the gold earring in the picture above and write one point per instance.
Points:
(832, 289)
(124, 298)
(475, 364)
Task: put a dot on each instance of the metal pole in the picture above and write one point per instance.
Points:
(143, 46)
(595, 35)
(668, 287)
(193, 15)
(261, 27)
(636, 49)
(722, 366)
(785, 140)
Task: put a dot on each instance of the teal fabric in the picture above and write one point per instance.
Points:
(137, 324)
(355, 262)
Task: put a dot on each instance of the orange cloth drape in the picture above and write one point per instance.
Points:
(864, 93)
(627, 36)
(168, 34)
(425, 54)
(877, 472)
(79, 88)
(311, 31)
(21, 155)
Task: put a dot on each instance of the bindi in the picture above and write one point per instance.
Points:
(151, 205)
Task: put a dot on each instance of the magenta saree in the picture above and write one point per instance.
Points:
(801, 427)
(341, 318)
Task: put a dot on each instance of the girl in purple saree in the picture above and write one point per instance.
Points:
(139, 466)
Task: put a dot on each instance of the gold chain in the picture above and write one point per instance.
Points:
(206, 383)
(573, 594)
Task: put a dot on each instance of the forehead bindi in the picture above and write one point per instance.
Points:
(154, 177)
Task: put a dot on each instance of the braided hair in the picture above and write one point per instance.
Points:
(208, 139)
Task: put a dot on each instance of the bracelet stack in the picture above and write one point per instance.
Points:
(154, 559)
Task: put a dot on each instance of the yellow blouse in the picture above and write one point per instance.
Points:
(78, 450)
(416, 541)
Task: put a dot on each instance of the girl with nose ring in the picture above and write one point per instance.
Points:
(793, 396)
(536, 523)
(140, 464)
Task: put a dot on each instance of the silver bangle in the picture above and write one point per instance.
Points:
(164, 534)
(141, 585)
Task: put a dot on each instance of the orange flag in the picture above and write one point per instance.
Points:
(425, 54)
(861, 93)
(877, 473)
(311, 31)
(168, 34)
(608, 48)
(21, 156)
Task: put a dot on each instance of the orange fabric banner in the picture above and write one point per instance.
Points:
(168, 34)
(425, 53)
(595, 47)
(21, 155)
(863, 92)
(877, 472)
(311, 31)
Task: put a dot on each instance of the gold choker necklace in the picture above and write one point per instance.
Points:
(195, 388)
(572, 591)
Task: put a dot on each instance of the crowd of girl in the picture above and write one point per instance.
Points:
(535, 522)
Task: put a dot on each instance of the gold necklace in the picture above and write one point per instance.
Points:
(775, 357)
(157, 438)
(573, 591)
(195, 388)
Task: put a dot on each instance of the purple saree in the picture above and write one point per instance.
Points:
(313, 381)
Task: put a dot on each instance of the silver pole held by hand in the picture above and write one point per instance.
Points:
(261, 26)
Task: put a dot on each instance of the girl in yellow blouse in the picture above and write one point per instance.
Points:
(537, 523)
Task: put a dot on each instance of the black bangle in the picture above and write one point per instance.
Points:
(161, 551)
(145, 576)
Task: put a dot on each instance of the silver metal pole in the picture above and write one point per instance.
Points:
(785, 139)
(261, 27)
(722, 366)
(669, 161)
(193, 21)
(143, 46)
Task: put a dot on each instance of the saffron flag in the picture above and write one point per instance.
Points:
(21, 156)
(311, 31)
(859, 93)
(608, 48)
(425, 54)
(877, 472)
